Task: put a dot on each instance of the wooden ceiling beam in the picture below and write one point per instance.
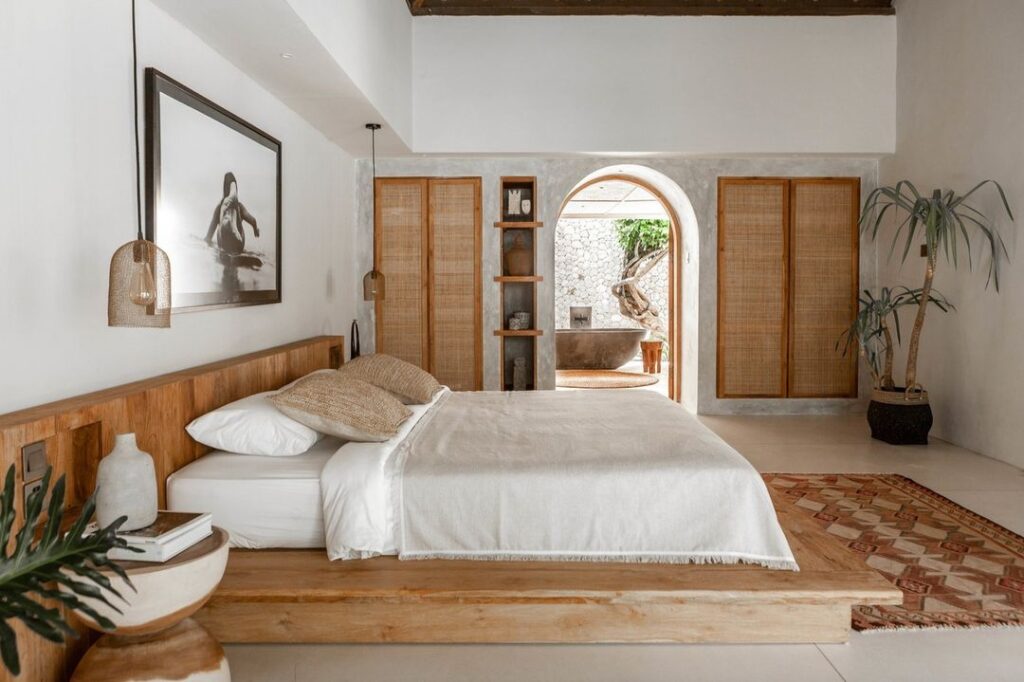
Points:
(651, 7)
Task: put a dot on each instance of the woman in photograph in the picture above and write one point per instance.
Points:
(228, 219)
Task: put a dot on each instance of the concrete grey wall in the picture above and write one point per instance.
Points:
(556, 178)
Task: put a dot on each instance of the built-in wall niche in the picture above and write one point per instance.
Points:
(518, 280)
(518, 253)
(514, 347)
(518, 200)
(518, 302)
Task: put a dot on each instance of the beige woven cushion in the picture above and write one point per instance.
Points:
(408, 382)
(343, 406)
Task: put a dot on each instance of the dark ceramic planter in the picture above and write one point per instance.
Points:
(898, 420)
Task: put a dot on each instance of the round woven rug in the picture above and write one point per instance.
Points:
(602, 378)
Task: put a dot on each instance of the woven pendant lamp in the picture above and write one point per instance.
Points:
(373, 281)
(139, 290)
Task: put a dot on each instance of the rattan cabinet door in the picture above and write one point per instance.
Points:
(455, 285)
(824, 266)
(402, 250)
(752, 287)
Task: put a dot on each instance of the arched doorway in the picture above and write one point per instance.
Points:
(683, 273)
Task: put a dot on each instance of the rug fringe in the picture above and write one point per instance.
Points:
(937, 626)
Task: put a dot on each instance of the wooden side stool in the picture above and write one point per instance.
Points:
(154, 638)
(652, 356)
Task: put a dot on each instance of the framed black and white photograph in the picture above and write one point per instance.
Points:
(213, 184)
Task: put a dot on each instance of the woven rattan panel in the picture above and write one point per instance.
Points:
(824, 267)
(401, 236)
(455, 290)
(752, 279)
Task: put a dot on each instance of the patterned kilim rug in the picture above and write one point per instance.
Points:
(956, 568)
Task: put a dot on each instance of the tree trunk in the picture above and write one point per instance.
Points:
(922, 307)
(633, 303)
(876, 382)
(886, 380)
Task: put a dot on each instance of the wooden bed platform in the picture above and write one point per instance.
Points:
(299, 596)
(290, 596)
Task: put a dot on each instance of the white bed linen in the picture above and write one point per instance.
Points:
(356, 487)
(260, 501)
(681, 494)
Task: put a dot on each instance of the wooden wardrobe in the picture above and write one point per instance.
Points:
(428, 233)
(788, 279)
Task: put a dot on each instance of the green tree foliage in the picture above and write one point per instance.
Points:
(640, 236)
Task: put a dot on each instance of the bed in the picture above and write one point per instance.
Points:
(558, 476)
(300, 596)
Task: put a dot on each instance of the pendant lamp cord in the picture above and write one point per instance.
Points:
(373, 162)
(135, 111)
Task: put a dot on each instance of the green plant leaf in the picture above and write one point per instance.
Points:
(37, 569)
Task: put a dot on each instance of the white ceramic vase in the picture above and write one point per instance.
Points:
(126, 486)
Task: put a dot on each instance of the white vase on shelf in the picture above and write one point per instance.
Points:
(126, 486)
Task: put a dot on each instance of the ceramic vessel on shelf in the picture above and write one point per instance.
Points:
(518, 258)
(519, 374)
(126, 486)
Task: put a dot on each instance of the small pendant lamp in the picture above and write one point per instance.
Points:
(373, 281)
(139, 291)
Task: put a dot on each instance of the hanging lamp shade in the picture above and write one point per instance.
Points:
(139, 291)
(373, 286)
(373, 281)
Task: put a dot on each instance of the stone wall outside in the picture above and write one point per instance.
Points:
(588, 261)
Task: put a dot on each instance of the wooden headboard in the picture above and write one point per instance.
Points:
(78, 432)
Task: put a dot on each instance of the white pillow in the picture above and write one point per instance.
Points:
(253, 426)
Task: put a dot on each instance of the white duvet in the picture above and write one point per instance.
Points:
(581, 475)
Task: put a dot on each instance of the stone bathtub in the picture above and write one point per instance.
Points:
(596, 348)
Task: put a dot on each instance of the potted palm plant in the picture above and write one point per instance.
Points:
(874, 332)
(38, 564)
(948, 225)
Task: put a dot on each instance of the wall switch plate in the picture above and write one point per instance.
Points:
(30, 488)
(33, 461)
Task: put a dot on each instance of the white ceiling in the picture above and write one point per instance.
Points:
(255, 34)
(614, 199)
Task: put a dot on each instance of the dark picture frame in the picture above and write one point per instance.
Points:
(208, 255)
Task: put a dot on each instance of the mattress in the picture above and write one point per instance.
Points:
(261, 502)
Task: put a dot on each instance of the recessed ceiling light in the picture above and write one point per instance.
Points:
(286, 55)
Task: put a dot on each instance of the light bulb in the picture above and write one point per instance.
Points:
(142, 285)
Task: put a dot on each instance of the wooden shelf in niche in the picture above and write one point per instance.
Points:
(518, 279)
(519, 332)
(512, 225)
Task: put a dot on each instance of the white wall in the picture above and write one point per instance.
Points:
(961, 120)
(699, 85)
(67, 201)
(372, 41)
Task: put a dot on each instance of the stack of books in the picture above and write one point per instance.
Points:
(171, 534)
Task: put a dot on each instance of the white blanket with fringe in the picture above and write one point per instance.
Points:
(577, 476)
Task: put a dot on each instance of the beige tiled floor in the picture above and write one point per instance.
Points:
(784, 444)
